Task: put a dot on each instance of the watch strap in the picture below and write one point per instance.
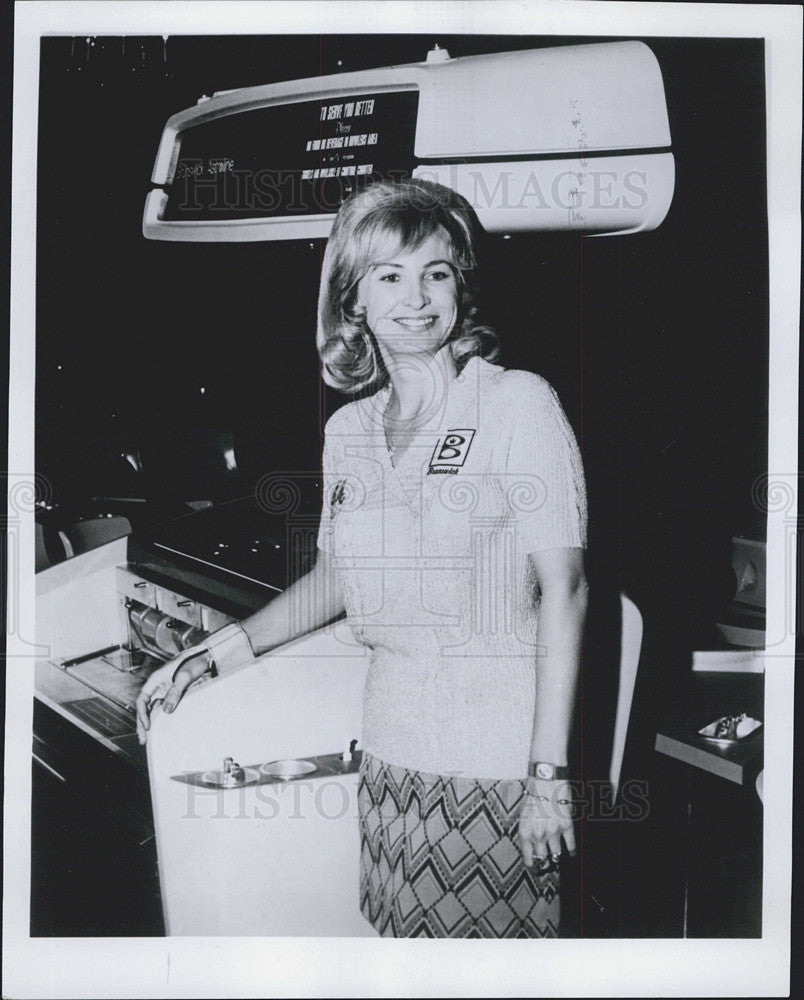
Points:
(228, 648)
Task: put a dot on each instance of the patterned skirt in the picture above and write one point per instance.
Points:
(439, 857)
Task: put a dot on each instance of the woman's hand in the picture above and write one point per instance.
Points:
(163, 686)
(546, 819)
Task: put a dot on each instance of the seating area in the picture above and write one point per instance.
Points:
(57, 544)
(105, 486)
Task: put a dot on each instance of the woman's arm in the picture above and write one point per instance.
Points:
(562, 615)
(312, 601)
(546, 815)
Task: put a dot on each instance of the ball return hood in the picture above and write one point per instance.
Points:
(552, 139)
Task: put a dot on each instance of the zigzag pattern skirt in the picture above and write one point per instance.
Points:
(439, 858)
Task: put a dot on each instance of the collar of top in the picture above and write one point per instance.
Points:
(449, 398)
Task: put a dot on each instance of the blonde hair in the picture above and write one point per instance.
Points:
(407, 212)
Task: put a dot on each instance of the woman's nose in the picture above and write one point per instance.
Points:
(416, 294)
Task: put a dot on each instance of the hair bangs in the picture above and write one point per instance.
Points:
(384, 235)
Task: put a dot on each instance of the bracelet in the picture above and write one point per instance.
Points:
(545, 798)
(534, 791)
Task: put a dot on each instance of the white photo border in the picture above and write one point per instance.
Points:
(240, 967)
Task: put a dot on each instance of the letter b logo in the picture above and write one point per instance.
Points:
(452, 448)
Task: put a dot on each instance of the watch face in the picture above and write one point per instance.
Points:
(544, 771)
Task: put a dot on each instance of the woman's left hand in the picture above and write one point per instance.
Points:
(545, 820)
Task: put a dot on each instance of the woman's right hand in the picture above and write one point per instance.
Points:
(163, 686)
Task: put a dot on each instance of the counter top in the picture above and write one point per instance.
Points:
(706, 696)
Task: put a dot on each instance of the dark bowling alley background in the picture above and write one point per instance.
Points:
(151, 356)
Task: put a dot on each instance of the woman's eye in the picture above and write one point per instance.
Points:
(390, 277)
(439, 275)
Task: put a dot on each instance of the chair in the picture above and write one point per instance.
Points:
(630, 646)
(592, 885)
(52, 546)
(85, 535)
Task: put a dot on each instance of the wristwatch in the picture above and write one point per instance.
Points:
(548, 772)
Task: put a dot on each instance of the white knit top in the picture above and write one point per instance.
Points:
(432, 557)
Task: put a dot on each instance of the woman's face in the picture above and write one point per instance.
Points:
(411, 299)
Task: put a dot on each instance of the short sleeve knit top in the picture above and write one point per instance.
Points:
(432, 557)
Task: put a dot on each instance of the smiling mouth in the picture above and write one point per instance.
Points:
(416, 323)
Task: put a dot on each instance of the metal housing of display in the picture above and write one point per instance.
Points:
(571, 138)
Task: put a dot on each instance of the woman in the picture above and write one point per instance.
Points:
(452, 535)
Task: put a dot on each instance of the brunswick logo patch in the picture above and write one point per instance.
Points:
(450, 451)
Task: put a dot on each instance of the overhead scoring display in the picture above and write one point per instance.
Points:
(292, 159)
(513, 132)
